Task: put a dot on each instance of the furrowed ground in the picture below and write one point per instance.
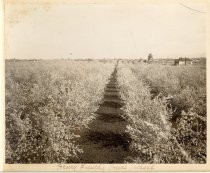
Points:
(104, 112)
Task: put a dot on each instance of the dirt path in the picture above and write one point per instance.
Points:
(106, 140)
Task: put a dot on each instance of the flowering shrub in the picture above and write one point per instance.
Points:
(153, 135)
(187, 88)
(187, 85)
(191, 134)
(47, 103)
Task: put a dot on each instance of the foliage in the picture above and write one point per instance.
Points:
(146, 89)
(47, 103)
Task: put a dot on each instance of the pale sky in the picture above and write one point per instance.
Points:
(105, 30)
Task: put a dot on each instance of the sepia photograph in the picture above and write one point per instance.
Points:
(105, 82)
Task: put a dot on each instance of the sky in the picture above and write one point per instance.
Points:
(120, 30)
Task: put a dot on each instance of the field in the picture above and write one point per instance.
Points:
(66, 111)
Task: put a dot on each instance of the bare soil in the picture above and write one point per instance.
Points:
(106, 141)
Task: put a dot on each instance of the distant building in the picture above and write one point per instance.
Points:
(199, 61)
(183, 62)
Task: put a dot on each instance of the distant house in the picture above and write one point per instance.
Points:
(183, 62)
(199, 61)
